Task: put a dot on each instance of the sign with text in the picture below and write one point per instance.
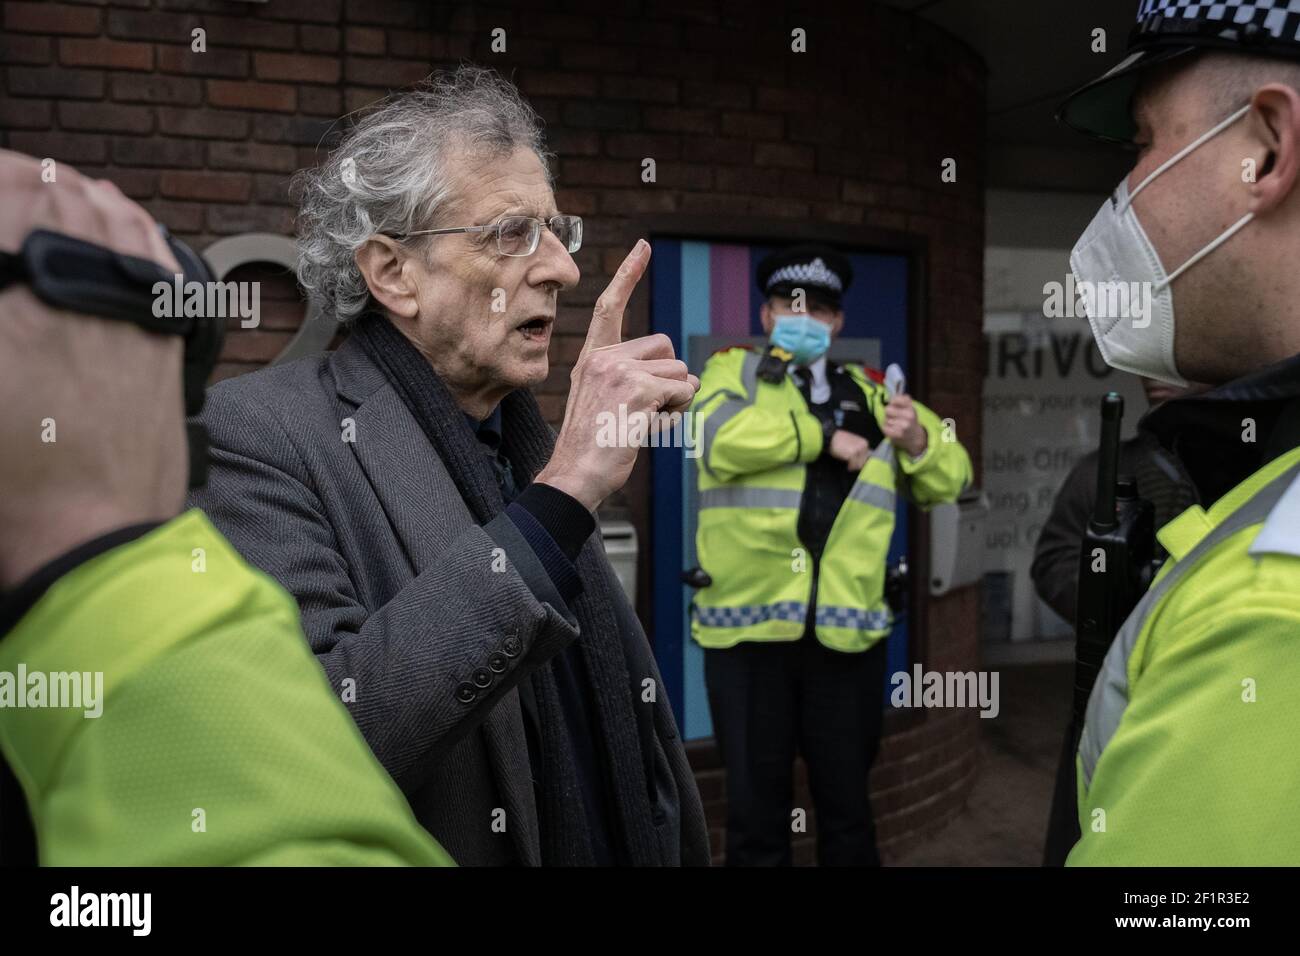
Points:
(1041, 415)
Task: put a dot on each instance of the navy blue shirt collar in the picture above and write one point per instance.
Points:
(489, 429)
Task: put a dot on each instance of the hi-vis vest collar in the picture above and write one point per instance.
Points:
(1277, 504)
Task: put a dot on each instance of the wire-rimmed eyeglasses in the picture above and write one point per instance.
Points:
(518, 235)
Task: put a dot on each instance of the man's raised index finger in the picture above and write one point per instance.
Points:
(607, 317)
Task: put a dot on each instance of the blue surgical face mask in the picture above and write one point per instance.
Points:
(802, 336)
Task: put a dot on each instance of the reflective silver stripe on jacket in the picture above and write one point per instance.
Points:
(739, 496)
(749, 373)
(723, 413)
(1281, 532)
(1110, 694)
(729, 409)
(869, 494)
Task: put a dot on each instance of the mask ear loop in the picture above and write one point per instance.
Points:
(1180, 155)
(1183, 153)
(1232, 231)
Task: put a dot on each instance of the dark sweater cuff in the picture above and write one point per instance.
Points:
(567, 522)
(558, 565)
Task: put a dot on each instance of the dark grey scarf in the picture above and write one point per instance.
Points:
(527, 441)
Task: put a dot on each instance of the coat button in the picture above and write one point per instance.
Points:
(481, 678)
(497, 663)
(512, 646)
(465, 693)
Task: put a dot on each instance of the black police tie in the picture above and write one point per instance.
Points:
(803, 377)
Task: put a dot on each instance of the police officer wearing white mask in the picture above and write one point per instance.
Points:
(1188, 752)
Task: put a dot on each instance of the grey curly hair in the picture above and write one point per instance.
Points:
(390, 174)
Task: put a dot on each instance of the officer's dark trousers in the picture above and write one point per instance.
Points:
(770, 701)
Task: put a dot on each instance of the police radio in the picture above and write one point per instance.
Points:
(1116, 562)
(1115, 568)
(773, 364)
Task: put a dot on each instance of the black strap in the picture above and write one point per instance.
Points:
(83, 277)
(80, 276)
(11, 268)
(803, 378)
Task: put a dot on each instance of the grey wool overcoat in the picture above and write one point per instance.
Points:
(396, 587)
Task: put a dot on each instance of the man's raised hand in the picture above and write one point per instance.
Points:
(643, 375)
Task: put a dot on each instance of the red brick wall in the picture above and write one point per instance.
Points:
(852, 132)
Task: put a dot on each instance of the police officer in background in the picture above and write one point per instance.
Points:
(1160, 479)
(1188, 753)
(800, 461)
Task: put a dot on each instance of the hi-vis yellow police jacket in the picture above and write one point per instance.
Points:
(219, 741)
(756, 439)
(1188, 751)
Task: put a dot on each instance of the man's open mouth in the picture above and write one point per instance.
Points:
(538, 327)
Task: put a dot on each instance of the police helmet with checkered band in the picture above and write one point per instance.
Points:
(820, 271)
(1167, 30)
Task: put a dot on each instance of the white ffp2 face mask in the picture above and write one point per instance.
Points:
(1114, 263)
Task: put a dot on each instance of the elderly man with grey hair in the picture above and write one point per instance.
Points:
(437, 535)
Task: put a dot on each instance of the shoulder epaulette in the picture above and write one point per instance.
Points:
(872, 374)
